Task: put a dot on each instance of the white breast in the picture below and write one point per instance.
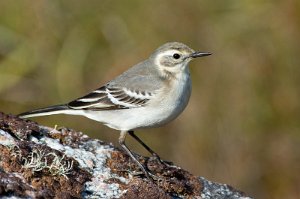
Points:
(177, 97)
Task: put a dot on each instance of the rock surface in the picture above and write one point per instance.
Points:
(41, 162)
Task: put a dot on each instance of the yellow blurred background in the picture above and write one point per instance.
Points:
(242, 125)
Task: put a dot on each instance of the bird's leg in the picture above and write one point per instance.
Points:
(146, 147)
(122, 143)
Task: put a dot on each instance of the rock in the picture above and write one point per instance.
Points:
(41, 162)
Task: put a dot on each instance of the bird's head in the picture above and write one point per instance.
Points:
(173, 57)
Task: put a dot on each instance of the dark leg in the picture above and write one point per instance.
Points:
(122, 143)
(145, 146)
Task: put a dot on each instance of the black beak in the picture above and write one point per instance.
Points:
(199, 54)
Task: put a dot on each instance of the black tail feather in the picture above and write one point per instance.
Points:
(44, 111)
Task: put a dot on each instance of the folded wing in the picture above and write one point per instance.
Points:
(111, 98)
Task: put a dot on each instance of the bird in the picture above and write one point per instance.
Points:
(150, 94)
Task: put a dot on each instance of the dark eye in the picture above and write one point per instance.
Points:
(176, 56)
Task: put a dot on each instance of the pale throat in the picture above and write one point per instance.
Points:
(179, 72)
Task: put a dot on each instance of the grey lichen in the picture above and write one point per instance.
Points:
(91, 156)
(212, 190)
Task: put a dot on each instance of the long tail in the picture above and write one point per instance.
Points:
(57, 109)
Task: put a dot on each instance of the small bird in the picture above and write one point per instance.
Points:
(149, 94)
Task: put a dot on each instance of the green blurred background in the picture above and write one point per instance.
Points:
(242, 125)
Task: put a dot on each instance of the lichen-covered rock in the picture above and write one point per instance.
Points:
(41, 162)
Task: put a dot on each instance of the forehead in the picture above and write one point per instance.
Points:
(174, 47)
